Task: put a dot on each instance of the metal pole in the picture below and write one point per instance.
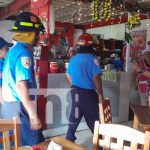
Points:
(127, 63)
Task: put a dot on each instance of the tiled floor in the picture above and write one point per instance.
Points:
(84, 137)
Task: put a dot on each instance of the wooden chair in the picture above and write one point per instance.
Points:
(66, 144)
(126, 137)
(105, 111)
(5, 126)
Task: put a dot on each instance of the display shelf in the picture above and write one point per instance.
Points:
(106, 54)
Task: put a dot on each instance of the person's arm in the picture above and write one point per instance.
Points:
(134, 79)
(69, 78)
(68, 72)
(30, 106)
(24, 73)
(146, 73)
(96, 76)
(1, 98)
(98, 84)
(134, 75)
(138, 69)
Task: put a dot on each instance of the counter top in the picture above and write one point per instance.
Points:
(107, 75)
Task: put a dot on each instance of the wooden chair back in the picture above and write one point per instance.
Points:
(105, 111)
(125, 137)
(5, 126)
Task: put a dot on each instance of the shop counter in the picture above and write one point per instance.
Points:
(59, 100)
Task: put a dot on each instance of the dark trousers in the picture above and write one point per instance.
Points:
(27, 135)
(84, 103)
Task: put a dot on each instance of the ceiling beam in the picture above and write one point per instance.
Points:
(13, 8)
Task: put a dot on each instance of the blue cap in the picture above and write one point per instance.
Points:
(3, 43)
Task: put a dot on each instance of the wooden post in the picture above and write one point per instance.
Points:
(148, 92)
(135, 122)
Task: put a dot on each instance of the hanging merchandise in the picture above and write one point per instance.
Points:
(107, 5)
(52, 20)
(133, 21)
(95, 5)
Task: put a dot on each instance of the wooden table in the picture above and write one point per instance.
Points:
(141, 117)
(66, 144)
(44, 145)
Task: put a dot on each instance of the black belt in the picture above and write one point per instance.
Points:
(77, 87)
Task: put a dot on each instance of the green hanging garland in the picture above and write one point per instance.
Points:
(107, 5)
(96, 4)
(133, 21)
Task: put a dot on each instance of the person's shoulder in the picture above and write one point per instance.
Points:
(72, 60)
(93, 57)
(75, 57)
(18, 47)
(23, 49)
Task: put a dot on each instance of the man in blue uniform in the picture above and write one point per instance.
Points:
(4, 46)
(84, 74)
(18, 78)
(3, 51)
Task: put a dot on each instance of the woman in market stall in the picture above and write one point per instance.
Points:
(141, 71)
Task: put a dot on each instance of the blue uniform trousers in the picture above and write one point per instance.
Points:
(27, 136)
(84, 103)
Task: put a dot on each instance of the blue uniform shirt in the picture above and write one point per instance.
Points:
(18, 66)
(1, 70)
(82, 68)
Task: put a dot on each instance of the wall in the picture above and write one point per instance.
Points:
(4, 29)
(113, 31)
(117, 31)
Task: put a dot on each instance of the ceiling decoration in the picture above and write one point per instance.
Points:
(81, 11)
(107, 8)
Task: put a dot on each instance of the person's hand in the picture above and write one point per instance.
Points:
(35, 123)
(136, 66)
